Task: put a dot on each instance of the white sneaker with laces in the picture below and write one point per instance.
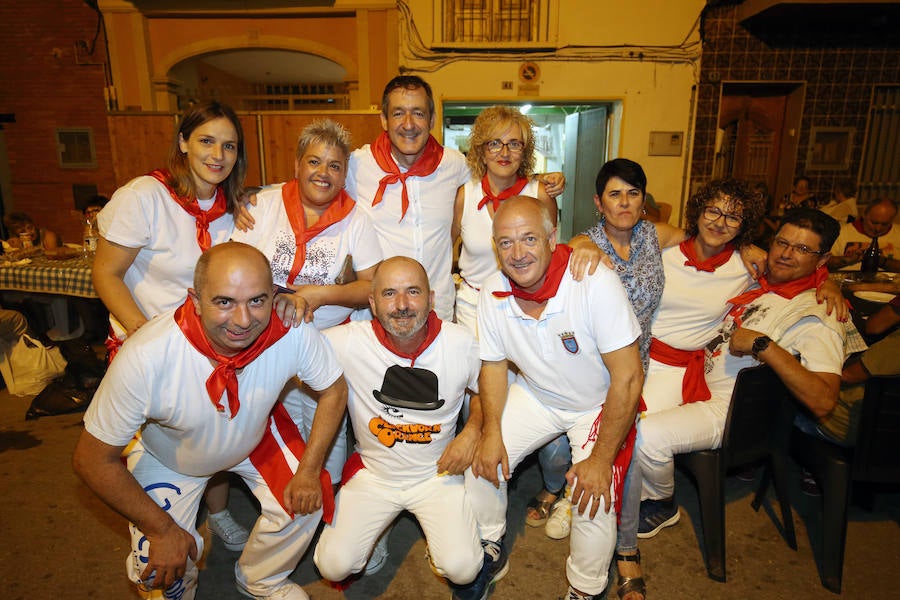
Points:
(560, 522)
(233, 534)
(379, 555)
(288, 591)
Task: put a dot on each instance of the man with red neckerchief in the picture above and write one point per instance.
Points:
(408, 373)
(199, 382)
(575, 345)
(772, 322)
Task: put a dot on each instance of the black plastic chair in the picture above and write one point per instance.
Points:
(754, 431)
(876, 459)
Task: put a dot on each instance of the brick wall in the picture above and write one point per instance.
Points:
(45, 89)
(839, 83)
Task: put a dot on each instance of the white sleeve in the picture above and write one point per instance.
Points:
(317, 365)
(125, 220)
(612, 317)
(366, 249)
(821, 348)
(490, 343)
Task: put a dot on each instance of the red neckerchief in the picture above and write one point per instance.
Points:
(787, 290)
(858, 225)
(509, 192)
(432, 329)
(710, 264)
(339, 208)
(224, 376)
(555, 271)
(425, 165)
(693, 385)
(190, 205)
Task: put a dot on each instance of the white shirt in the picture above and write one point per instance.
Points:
(424, 233)
(401, 443)
(325, 254)
(141, 214)
(559, 354)
(158, 382)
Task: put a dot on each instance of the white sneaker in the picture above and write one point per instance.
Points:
(287, 591)
(233, 534)
(560, 522)
(379, 555)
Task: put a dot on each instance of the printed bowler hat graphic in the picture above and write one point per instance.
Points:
(409, 387)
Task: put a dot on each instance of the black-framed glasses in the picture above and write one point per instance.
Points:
(713, 214)
(782, 244)
(496, 146)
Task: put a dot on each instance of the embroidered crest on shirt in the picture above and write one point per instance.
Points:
(569, 342)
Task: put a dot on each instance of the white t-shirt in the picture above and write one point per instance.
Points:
(158, 382)
(402, 444)
(141, 214)
(559, 354)
(477, 260)
(889, 243)
(424, 232)
(799, 325)
(325, 253)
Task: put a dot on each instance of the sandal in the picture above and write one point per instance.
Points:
(540, 507)
(628, 585)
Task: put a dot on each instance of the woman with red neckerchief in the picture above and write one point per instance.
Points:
(155, 228)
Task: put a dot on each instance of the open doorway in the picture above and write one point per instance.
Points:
(571, 138)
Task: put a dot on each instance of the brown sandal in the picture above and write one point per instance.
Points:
(541, 508)
(628, 585)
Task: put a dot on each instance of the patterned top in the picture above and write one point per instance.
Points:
(642, 274)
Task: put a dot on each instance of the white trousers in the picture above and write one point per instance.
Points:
(276, 542)
(302, 409)
(368, 503)
(526, 426)
(663, 434)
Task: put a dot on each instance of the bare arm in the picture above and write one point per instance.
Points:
(669, 235)
(49, 240)
(815, 390)
(110, 264)
(492, 383)
(458, 203)
(303, 494)
(100, 467)
(886, 318)
(592, 477)
(354, 294)
(458, 454)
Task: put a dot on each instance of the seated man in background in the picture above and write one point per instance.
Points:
(24, 233)
(855, 237)
(170, 382)
(777, 319)
(408, 373)
(575, 344)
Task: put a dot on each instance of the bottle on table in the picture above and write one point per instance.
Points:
(871, 258)
(90, 237)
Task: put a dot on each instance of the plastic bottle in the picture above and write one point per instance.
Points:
(871, 258)
(90, 237)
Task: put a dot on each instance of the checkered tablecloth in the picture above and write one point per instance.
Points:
(70, 277)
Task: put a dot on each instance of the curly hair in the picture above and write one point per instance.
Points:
(324, 131)
(182, 180)
(489, 125)
(738, 198)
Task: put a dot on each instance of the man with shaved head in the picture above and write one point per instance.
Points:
(876, 221)
(408, 373)
(199, 383)
(575, 346)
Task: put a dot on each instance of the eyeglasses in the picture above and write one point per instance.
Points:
(802, 249)
(496, 146)
(713, 214)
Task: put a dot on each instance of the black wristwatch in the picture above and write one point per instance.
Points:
(759, 345)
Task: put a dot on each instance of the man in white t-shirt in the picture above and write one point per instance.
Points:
(575, 344)
(408, 373)
(199, 383)
(771, 323)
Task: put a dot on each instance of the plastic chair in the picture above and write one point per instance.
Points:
(876, 459)
(751, 434)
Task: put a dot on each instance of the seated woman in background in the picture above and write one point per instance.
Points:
(21, 227)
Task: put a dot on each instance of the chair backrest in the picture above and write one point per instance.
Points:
(877, 454)
(759, 417)
(665, 211)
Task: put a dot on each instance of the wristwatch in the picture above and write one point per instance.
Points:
(759, 345)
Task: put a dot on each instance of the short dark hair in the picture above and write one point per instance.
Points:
(627, 170)
(408, 82)
(825, 226)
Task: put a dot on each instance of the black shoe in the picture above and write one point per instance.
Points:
(656, 515)
(494, 567)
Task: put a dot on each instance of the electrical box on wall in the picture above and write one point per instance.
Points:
(666, 143)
